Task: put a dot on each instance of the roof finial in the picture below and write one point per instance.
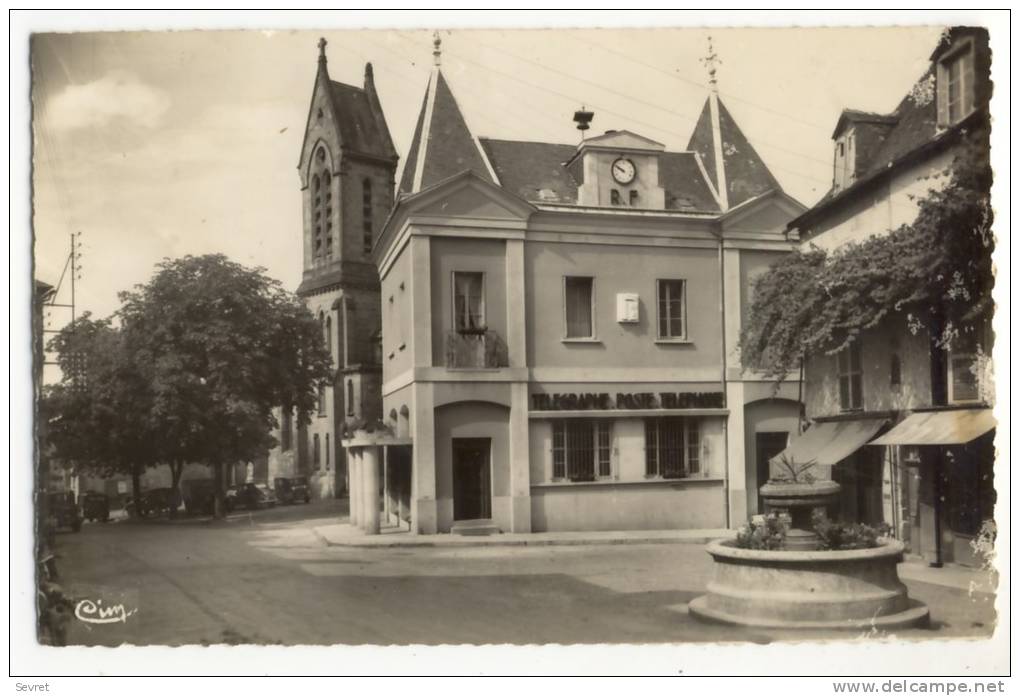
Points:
(436, 51)
(322, 49)
(711, 62)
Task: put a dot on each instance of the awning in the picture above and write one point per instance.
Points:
(955, 427)
(830, 442)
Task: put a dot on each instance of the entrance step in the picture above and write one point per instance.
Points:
(474, 528)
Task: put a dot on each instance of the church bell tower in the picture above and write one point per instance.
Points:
(346, 171)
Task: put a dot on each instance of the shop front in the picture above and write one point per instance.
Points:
(618, 457)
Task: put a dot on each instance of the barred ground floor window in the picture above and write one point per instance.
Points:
(672, 447)
(581, 449)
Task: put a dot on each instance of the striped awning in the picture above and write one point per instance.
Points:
(955, 427)
(830, 442)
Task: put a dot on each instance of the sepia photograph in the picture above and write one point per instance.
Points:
(677, 335)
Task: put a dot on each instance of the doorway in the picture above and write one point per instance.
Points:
(766, 446)
(472, 490)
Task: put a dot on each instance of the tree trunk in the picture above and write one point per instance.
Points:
(176, 469)
(219, 508)
(136, 490)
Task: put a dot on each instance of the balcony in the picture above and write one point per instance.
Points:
(482, 349)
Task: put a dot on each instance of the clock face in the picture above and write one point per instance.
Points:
(624, 171)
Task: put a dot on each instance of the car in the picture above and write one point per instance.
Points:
(62, 513)
(199, 496)
(292, 490)
(154, 502)
(252, 496)
(95, 506)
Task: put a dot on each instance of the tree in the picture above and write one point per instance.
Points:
(98, 415)
(223, 345)
(934, 274)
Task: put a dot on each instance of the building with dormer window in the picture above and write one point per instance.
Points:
(906, 422)
(560, 326)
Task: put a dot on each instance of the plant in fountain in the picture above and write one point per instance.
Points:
(792, 472)
(839, 536)
(763, 532)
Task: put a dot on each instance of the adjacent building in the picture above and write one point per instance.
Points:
(929, 474)
(560, 327)
(346, 171)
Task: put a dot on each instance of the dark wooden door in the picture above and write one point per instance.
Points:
(766, 446)
(472, 495)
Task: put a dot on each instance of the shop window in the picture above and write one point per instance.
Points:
(579, 307)
(955, 85)
(316, 452)
(468, 302)
(672, 302)
(581, 449)
(848, 363)
(672, 447)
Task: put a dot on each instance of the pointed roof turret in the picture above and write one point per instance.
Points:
(744, 173)
(442, 145)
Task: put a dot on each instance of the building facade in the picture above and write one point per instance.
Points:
(346, 170)
(560, 325)
(929, 471)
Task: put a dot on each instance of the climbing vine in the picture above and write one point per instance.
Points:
(934, 274)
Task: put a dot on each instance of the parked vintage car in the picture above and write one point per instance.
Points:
(154, 503)
(95, 506)
(292, 490)
(199, 496)
(62, 512)
(251, 496)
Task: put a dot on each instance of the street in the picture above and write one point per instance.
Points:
(268, 578)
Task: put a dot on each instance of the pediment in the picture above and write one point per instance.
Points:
(467, 196)
(768, 213)
(623, 139)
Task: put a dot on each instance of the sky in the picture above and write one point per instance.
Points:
(161, 144)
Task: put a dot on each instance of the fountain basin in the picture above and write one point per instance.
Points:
(856, 589)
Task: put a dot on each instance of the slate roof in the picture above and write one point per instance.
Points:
(362, 126)
(747, 175)
(537, 173)
(449, 146)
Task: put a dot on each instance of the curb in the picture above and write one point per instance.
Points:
(447, 543)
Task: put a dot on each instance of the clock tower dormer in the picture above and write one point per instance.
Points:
(619, 169)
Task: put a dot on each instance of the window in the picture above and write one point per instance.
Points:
(962, 380)
(895, 371)
(672, 447)
(350, 397)
(316, 452)
(614, 197)
(956, 85)
(322, 211)
(848, 364)
(286, 425)
(581, 449)
(579, 307)
(366, 213)
(672, 308)
(468, 302)
(327, 451)
(321, 400)
(328, 335)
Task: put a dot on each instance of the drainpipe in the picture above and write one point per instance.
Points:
(937, 563)
(726, 430)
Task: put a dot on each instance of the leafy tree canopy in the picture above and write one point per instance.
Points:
(935, 274)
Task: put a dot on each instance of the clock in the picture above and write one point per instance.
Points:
(623, 170)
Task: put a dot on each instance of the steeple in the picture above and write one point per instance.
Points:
(730, 160)
(442, 145)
